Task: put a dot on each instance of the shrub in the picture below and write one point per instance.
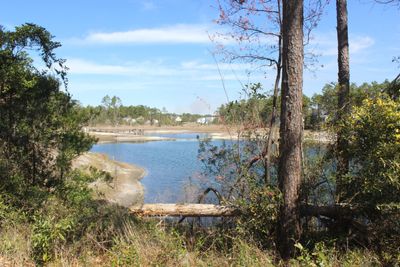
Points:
(373, 132)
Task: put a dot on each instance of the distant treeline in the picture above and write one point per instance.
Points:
(113, 112)
(318, 110)
(254, 111)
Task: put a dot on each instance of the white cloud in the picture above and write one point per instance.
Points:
(80, 66)
(359, 43)
(181, 33)
(325, 44)
(158, 71)
(240, 78)
(149, 5)
(171, 34)
(195, 65)
(189, 69)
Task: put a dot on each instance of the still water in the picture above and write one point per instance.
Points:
(171, 166)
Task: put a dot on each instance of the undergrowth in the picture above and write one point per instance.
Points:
(70, 228)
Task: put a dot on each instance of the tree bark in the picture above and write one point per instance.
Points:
(291, 127)
(343, 92)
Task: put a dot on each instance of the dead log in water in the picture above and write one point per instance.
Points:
(187, 210)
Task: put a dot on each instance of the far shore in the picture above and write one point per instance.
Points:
(110, 137)
(110, 134)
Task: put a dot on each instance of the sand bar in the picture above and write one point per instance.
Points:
(125, 189)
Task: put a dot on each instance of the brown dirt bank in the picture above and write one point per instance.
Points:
(125, 189)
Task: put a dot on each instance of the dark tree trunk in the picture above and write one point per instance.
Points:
(344, 91)
(291, 129)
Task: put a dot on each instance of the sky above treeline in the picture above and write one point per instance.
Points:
(158, 52)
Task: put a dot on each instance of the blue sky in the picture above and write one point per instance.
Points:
(158, 53)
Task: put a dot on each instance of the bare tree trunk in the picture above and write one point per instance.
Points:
(344, 91)
(272, 123)
(291, 128)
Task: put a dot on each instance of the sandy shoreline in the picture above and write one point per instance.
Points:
(125, 189)
(109, 134)
(120, 134)
(104, 137)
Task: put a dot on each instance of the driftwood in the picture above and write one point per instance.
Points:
(188, 210)
(211, 210)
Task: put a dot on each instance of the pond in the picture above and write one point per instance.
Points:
(172, 167)
(169, 165)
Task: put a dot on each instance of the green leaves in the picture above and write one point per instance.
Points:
(30, 36)
(373, 131)
(40, 126)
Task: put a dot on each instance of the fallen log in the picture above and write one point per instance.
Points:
(187, 210)
(211, 210)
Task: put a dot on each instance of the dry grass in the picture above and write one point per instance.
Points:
(150, 244)
(15, 245)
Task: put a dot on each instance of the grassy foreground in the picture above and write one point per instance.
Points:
(127, 241)
(75, 225)
(71, 227)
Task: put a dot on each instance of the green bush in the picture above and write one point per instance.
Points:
(47, 234)
(373, 132)
(373, 183)
(259, 213)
